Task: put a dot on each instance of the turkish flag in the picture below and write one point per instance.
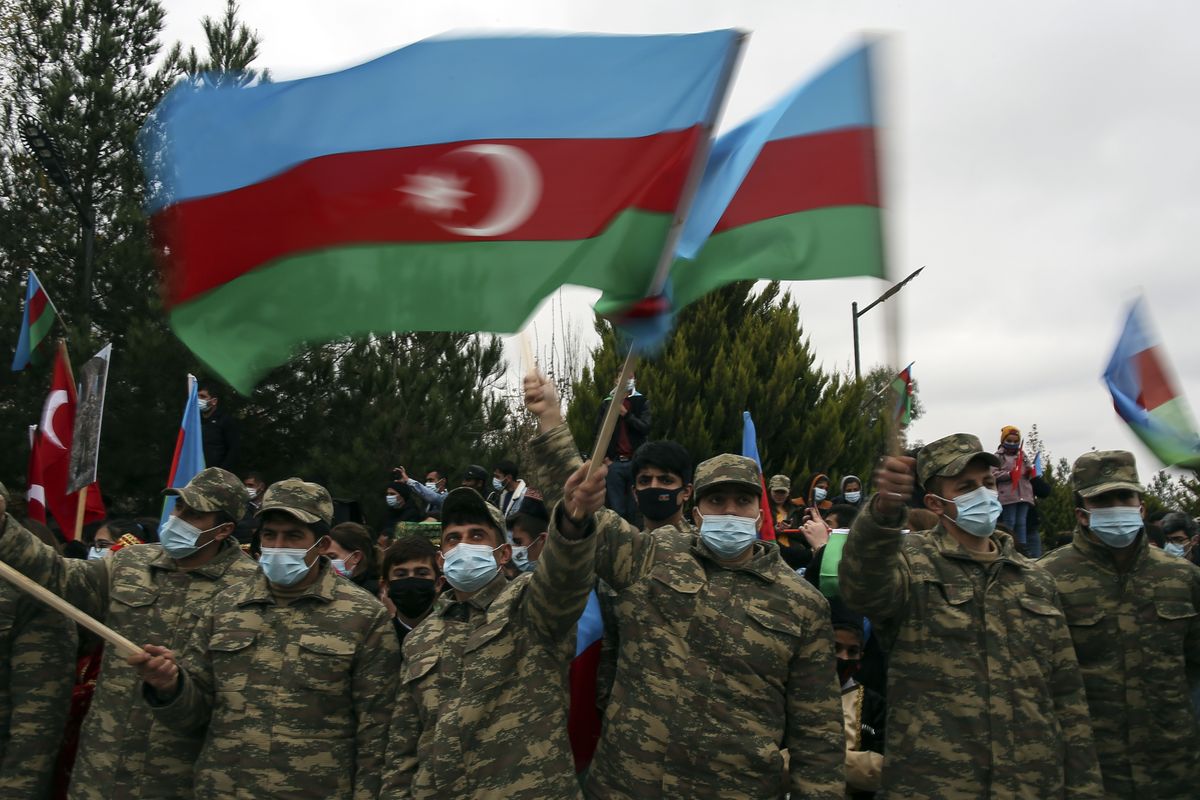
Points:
(50, 457)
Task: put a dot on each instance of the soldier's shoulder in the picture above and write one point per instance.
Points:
(1061, 558)
(242, 565)
(137, 556)
(1167, 567)
(800, 592)
(351, 597)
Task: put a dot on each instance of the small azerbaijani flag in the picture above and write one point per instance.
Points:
(189, 449)
(1144, 394)
(36, 323)
(583, 716)
(902, 397)
(448, 186)
(750, 450)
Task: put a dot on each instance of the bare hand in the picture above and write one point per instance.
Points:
(894, 484)
(541, 400)
(582, 498)
(441, 485)
(815, 531)
(157, 667)
(401, 474)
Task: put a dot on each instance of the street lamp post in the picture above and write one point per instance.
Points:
(43, 147)
(855, 314)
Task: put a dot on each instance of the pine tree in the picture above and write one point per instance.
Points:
(232, 48)
(734, 351)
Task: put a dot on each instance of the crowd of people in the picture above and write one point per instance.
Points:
(902, 636)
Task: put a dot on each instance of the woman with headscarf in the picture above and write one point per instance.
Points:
(1013, 482)
(818, 495)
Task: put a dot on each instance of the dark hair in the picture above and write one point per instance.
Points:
(1154, 533)
(507, 467)
(253, 475)
(468, 518)
(211, 387)
(352, 536)
(531, 523)
(1178, 521)
(666, 455)
(845, 514)
(408, 548)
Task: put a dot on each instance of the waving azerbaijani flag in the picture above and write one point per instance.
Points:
(902, 397)
(1145, 396)
(188, 460)
(449, 185)
(792, 194)
(750, 450)
(36, 322)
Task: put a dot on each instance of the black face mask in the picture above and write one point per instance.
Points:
(412, 596)
(846, 668)
(658, 504)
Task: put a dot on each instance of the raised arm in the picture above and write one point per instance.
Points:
(873, 576)
(83, 584)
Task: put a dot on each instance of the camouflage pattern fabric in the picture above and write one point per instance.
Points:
(482, 707)
(295, 698)
(727, 468)
(720, 671)
(984, 692)
(37, 672)
(143, 594)
(214, 489)
(1105, 471)
(1137, 637)
(950, 455)
(307, 502)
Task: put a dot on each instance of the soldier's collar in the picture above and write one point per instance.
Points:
(951, 548)
(762, 563)
(1105, 555)
(324, 588)
(229, 551)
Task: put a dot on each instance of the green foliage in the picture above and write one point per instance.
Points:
(232, 48)
(733, 351)
(1165, 492)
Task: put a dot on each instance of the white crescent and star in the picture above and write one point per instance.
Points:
(440, 193)
(57, 398)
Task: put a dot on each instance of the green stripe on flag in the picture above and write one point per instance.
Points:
(252, 324)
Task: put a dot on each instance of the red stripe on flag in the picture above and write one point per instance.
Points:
(361, 198)
(175, 459)
(1157, 388)
(767, 532)
(583, 716)
(806, 172)
(37, 304)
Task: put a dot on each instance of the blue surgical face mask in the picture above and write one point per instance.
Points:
(977, 511)
(285, 566)
(520, 557)
(96, 553)
(820, 494)
(470, 567)
(392, 500)
(1174, 549)
(431, 485)
(179, 538)
(728, 535)
(1011, 446)
(497, 484)
(1116, 527)
(853, 497)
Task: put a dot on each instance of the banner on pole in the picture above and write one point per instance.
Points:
(89, 413)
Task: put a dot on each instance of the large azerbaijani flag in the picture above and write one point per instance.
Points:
(36, 321)
(1143, 390)
(791, 194)
(449, 185)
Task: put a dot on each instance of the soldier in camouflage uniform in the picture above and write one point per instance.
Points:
(726, 663)
(37, 671)
(1132, 610)
(481, 711)
(985, 698)
(291, 673)
(149, 596)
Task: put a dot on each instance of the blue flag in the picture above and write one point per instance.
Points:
(189, 449)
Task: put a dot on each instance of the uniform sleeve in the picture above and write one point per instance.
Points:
(555, 457)
(191, 708)
(815, 737)
(404, 734)
(83, 584)
(373, 691)
(1081, 772)
(873, 575)
(41, 674)
(559, 588)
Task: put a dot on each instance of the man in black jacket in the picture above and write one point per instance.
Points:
(633, 426)
(218, 429)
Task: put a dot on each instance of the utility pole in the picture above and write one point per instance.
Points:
(855, 314)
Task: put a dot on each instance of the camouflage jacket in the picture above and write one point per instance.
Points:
(482, 707)
(143, 594)
(983, 686)
(295, 698)
(37, 672)
(719, 671)
(1137, 636)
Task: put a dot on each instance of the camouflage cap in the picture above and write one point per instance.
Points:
(1105, 471)
(465, 501)
(780, 482)
(950, 455)
(214, 489)
(307, 502)
(727, 469)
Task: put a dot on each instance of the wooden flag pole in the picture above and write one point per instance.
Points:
(81, 499)
(614, 412)
(124, 646)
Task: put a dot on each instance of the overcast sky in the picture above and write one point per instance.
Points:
(1043, 166)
